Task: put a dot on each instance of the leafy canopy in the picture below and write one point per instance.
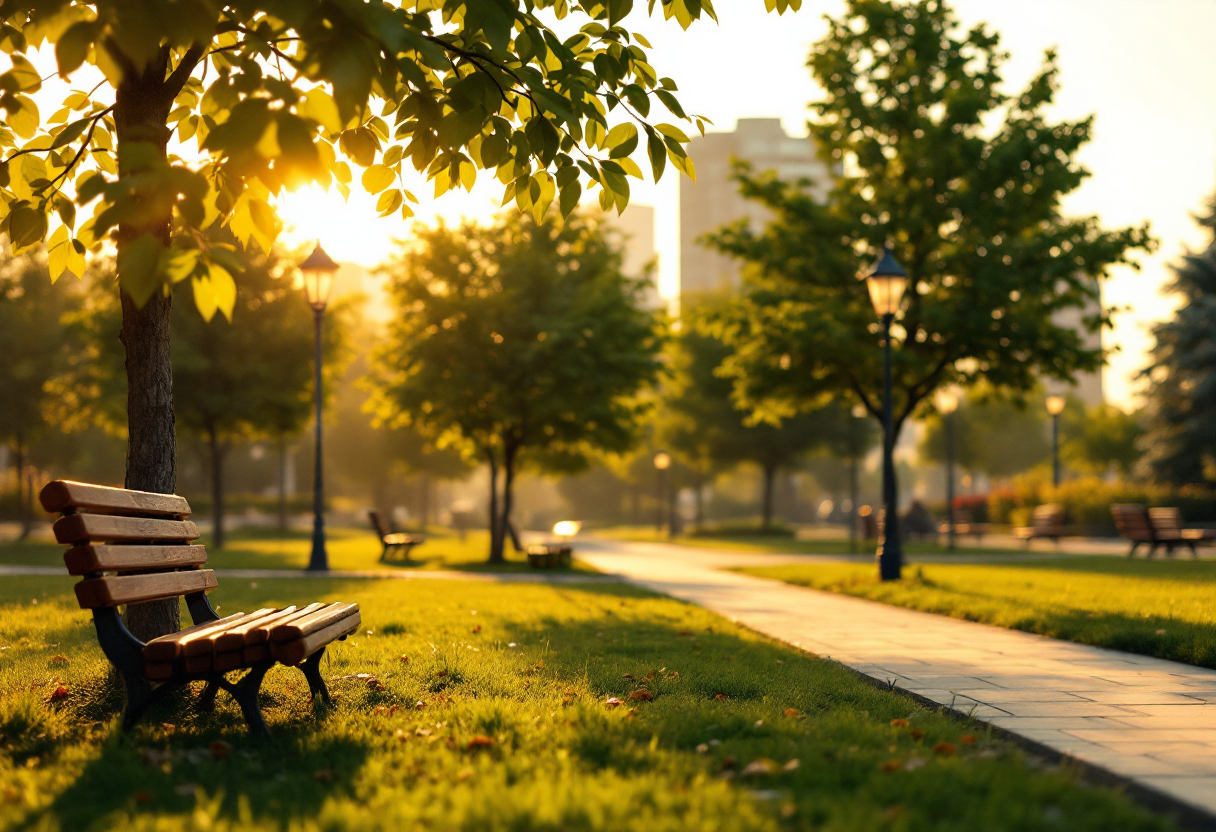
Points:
(279, 93)
(520, 335)
(964, 180)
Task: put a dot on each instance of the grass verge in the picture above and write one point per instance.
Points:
(1155, 608)
(348, 548)
(486, 707)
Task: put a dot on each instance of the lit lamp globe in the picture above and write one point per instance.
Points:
(886, 281)
(318, 270)
(946, 401)
(1055, 405)
(662, 461)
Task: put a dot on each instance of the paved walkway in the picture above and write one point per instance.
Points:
(1146, 719)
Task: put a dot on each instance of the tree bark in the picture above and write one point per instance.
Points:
(22, 514)
(508, 500)
(425, 508)
(496, 541)
(143, 100)
(767, 500)
(217, 452)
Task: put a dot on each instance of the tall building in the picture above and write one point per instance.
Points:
(1088, 386)
(713, 200)
(636, 225)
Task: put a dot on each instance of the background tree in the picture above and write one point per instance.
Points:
(33, 347)
(521, 337)
(994, 435)
(1182, 376)
(1100, 439)
(293, 84)
(964, 180)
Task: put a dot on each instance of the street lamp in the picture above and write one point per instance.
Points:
(662, 461)
(947, 403)
(886, 281)
(1055, 406)
(856, 437)
(318, 271)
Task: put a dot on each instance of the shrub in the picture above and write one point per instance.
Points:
(1087, 500)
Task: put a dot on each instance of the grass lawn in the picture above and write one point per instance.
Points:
(777, 544)
(1157, 608)
(487, 708)
(348, 548)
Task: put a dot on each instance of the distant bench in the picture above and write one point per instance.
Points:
(392, 541)
(1156, 527)
(1046, 521)
(134, 546)
(964, 525)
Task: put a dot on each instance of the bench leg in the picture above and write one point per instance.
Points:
(311, 667)
(139, 697)
(245, 692)
(206, 699)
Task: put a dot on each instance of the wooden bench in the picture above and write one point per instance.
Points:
(963, 525)
(134, 546)
(1156, 527)
(1046, 521)
(549, 555)
(392, 541)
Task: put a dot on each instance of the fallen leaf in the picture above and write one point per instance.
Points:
(729, 762)
(628, 677)
(219, 749)
(374, 683)
(945, 748)
(968, 740)
(612, 702)
(792, 765)
(404, 658)
(323, 775)
(441, 674)
(58, 659)
(641, 695)
(702, 749)
(684, 634)
(650, 675)
(59, 692)
(899, 723)
(721, 696)
(168, 727)
(759, 723)
(631, 713)
(793, 713)
(477, 628)
(916, 734)
(891, 765)
(480, 741)
(422, 732)
(142, 797)
(401, 735)
(465, 774)
(419, 705)
(759, 767)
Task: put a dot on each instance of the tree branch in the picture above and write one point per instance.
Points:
(83, 146)
(185, 67)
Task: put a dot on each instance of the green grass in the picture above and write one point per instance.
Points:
(1156, 608)
(534, 678)
(348, 548)
(775, 544)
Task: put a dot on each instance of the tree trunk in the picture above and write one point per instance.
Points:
(496, 541)
(508, 500)
(19, 450)
(767, 500)
(853, 504)
(217, 453)
(142, 103)
(282, 483)
(698, 519)
(425, 508)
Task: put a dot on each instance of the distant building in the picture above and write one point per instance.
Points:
(636, 224)
(713, 200)
(1088, 387)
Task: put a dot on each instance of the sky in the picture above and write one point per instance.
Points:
(1144, 68)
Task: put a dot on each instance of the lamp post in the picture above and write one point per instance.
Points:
(662, 461)
(1055, 406)
(856, 438)
(947, 403)
(886, 281)
(318, 271)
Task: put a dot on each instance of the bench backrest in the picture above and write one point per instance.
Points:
(1049, 515)
(1132, 521)
(378, 523)
(1166, 520)
(129, 546)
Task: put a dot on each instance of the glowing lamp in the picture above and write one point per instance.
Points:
(662, 461)
(1055, 405)
(946, 401)
(318, 271)
(886, 281)
(566, 528)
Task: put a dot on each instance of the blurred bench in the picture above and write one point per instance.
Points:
(963, 525)
(1156, 527)
(549, 555)
(1046, 521)
(390, 540)
(134, 546)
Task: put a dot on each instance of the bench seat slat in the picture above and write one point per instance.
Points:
(168, 647)
(104, 557)
(130, 589)
(314, 622)
(66, 495)
(260, 634)
(242, 633)
(205, 642)
(297, 650)
(76, 528)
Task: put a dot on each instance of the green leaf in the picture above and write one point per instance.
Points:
(672, 132)
(318, 105)
(377, 177)
(26, 228)
(657, 152)
(71, 133)
(389, 202)
(73, 46)
(223, 289)
(137, 261)
(620, 134)
(570, 195)
(360, 145)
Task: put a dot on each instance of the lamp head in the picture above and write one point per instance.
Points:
(662, 460)
(1055, 405)
(886, 281)
(318, 271)
(946, 401)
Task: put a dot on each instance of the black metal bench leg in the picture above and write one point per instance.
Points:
(139, 697)
(245, 692)
(206, 699)
(311, 668)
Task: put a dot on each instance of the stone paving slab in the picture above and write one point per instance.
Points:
(1145, 719)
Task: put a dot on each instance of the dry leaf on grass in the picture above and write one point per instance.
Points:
(142, 797)
(641, 695)
(612, 702)
(968, 740)
(60, 692)
(324, 775)
(219, 749)
(792, 765)
(477, 628)
(916, 734)
(59, 659)
(945, 748)
(480, 741)
(627, 677)
(759, 767)
(891, 765)
(721, 696)
(793, 713)
(899, 723)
